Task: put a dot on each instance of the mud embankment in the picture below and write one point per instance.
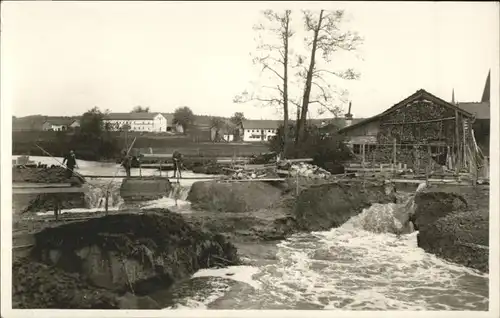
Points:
(233, 196)
(322, 207)
(453, 223)
(34, 202)
(115, 261)
(55, 174)
(48, 201)
(144, 189)
(258, 211)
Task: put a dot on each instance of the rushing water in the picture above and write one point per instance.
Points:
(347, 268)
(358, 266)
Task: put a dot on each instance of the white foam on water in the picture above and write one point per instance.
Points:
(201, 300)
(77, 210)
(242, 274)
(350, 268)
(168, 203)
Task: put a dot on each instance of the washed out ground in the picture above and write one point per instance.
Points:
(254, 233)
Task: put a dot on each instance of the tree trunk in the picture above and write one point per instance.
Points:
(307, 88)
(285, 88)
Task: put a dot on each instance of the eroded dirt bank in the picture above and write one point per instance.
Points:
(55, 174)
(256, 211)
(453, 223)
(34, 202)
(112, 257)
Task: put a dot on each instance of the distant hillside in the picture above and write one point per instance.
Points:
(34, 122)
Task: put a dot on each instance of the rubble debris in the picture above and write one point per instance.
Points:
(308, 170)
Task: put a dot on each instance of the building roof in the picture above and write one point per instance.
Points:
(60, 121)
(486, 92)
(261, 124)
(479, 110)
(203, 121)
(420, 94)
(199, 120)
(335, 121)
(170, 118)
(131, 116)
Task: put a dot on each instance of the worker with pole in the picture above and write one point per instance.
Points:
(177, 158)
(126, 162)
(70, 161)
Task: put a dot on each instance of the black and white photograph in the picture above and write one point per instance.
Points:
(189, 158)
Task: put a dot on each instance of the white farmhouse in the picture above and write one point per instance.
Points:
(146, 122)
(59, 124)
(259, 130)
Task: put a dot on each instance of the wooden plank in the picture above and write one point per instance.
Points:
(299, 160)
(48, 190)
(201, 178)
(415, 181)
(110, 177)
(255, 166)
(358, 165)
(22, 185)
(156, 165)
(370, 169)
(254, 180)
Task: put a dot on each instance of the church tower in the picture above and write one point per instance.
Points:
(486, 91)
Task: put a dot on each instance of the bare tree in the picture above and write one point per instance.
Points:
(274, 59)
(327, 38)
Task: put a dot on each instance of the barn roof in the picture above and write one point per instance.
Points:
(420, 94)
(261, 124)
(479, 110)
(131, 116)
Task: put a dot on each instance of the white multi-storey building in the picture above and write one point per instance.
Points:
(259, 130)
(147, 122)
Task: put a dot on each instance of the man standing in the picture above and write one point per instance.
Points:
(70, 162)
(177, 158)
(126, 163)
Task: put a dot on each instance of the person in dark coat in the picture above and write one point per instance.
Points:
(177, 159)
(70, 162)
(127, 163)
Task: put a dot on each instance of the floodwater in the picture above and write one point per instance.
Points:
(357, 266)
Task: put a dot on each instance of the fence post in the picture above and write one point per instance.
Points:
(394, 156)
(297, 184)
(160, 169)
(428, 167)
(106, 202)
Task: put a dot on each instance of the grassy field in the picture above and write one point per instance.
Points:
(24, 143)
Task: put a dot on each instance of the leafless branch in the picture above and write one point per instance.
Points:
(349, 74)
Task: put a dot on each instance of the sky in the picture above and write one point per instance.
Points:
(63, 58)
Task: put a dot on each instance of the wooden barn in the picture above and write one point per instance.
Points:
(420, 132)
